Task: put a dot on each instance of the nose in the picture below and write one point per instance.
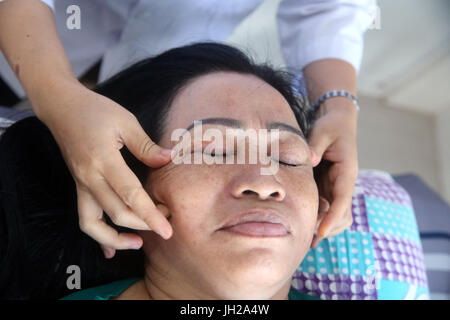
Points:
(263, 187)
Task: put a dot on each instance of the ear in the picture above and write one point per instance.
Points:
(154, 196)
(164, 210)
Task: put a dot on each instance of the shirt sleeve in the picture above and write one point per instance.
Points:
(311, 30)
(50, 3)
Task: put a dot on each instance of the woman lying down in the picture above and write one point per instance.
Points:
(238, 233)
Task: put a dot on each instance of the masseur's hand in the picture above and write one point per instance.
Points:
(333, 140)
(90, 129)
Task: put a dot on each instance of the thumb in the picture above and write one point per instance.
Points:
(324, 205)
(319, 142)
(143, 148)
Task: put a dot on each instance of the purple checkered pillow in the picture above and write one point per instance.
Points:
(379, 257)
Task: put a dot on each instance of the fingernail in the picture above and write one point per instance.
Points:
(314, 158)
(165, 233)
(314, 241)
(108, 253)
(166, 152)
(318, 242)
(323, 234)
(135, 245)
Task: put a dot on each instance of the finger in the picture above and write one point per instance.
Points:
(342, 198)
(92, 223)
(324, 205)
(319, 141)
(323, 209)
(108, 252)
(346, 222)
(119, 213)
(142, 147)
(314, 158)
(128, 187)
(315, 241)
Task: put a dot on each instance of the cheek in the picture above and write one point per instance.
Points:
(303, 198)
(189, 192)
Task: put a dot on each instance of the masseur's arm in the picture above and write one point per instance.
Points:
(325, 39)
(90, 129)
(333, 138)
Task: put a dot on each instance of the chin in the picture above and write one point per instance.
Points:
(254, 289)
(254, 281)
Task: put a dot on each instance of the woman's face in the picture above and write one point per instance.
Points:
(253, 260)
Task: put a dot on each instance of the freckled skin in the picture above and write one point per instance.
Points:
(201, 197)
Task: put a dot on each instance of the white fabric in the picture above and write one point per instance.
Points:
(50, 3)
(312, 30)
(125, 31)
(101, 25)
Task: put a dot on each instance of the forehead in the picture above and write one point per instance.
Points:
(227, 94)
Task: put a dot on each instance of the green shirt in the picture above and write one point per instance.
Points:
(113, 289)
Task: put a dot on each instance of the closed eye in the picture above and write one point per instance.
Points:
(289, 164)
(221, 154)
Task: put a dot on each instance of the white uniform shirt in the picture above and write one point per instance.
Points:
(126, 31)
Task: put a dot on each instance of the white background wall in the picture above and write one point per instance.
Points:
(398, 141)
(442, 121)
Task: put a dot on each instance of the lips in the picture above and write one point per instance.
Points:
(258, 223)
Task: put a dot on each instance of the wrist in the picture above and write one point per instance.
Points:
(338, 104)
(342, 112)
(50, 91)
(341, 104)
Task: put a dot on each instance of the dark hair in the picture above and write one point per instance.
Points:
(39, 231)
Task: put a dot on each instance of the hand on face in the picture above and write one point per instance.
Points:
(333, 140)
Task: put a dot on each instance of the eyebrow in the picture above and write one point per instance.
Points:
(286, 127)
(229, 122)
